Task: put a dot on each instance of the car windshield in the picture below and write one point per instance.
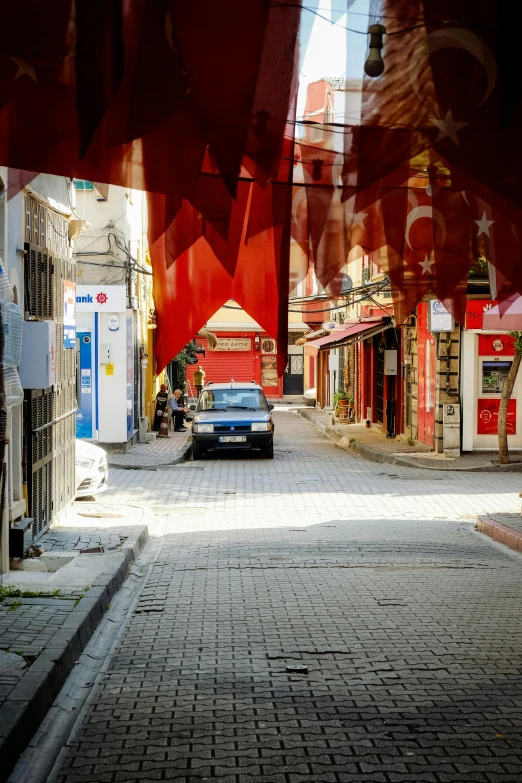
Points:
(222, 399)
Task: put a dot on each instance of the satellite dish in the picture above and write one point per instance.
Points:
(347, 284)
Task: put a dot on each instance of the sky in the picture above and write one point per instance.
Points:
(324, 45)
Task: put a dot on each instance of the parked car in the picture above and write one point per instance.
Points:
(233, 416)
(309, 397)
(91, 469)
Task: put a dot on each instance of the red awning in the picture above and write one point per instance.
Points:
(510, 321)
(344, 336)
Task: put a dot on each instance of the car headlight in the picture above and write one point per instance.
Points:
(261, 426)
(84, 463)
(203, 428)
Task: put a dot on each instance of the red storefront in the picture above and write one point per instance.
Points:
(487, 351)
(242, 356)
(378, 392)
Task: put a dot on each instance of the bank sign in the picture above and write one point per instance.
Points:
(99, 298)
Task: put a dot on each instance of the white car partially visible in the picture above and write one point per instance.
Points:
(309, 397)
(91, 469)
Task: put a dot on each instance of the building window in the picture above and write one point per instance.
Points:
(83, 184)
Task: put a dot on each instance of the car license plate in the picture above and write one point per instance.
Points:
(232, 439)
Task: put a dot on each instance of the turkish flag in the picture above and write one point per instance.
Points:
(99, 30)
(497, 228)
(477, 86)
(261, 281)
(271, 135)
(254, 272)
(221, 45)
(428, 248)
(186, 294)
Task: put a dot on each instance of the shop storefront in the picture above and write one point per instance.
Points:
(375, 361)
(486, 359)
(243, 357)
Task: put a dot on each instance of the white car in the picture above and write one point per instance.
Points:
(309, 397)
(91, 469)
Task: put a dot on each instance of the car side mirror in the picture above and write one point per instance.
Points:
(270, 407)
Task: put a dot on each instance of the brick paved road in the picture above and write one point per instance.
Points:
(407, 622)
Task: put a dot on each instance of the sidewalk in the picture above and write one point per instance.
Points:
(48, 617)
(376, 447)
(504, 528)
(149, 456)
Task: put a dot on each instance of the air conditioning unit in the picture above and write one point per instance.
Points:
(268, 345)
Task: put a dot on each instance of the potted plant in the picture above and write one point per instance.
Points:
(340, 399)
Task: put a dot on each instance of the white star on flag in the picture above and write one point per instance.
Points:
(357, 218)
(448, 127)
(483, 225)
(426, 265)
(24, 69)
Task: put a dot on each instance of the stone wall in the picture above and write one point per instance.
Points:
(448, 378)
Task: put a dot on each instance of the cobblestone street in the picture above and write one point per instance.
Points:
(315, 618)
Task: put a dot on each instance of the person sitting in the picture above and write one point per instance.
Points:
(161, 403)
(178, 411)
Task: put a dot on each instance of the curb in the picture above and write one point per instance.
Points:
(374, 455)
(499, 532)
(184, 454)
(32, 697)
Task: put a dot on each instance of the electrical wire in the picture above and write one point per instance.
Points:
(365, 32)
(324, 297)
(384, 284)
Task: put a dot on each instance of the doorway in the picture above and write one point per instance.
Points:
(293, 379)
(379, 379)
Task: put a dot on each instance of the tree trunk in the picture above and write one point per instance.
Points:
(503, 451)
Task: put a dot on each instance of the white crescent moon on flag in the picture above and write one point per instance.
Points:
(454, 38)
(424, 212)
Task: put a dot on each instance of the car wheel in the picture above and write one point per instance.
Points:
(196, 451)
(268, 453)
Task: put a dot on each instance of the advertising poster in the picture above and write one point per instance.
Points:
(496, 345)
(440, 320)
(487, 414)
(69, 321)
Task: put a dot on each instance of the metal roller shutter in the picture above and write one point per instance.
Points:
(220, 366)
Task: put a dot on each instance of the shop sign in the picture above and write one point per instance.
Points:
(330, 326)
(487, 417)
(439, 319)
(113, 322)
(233, 344)
(475, 309)
(101, 298)
(496, 345)
(69, 322)
(390, 362)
